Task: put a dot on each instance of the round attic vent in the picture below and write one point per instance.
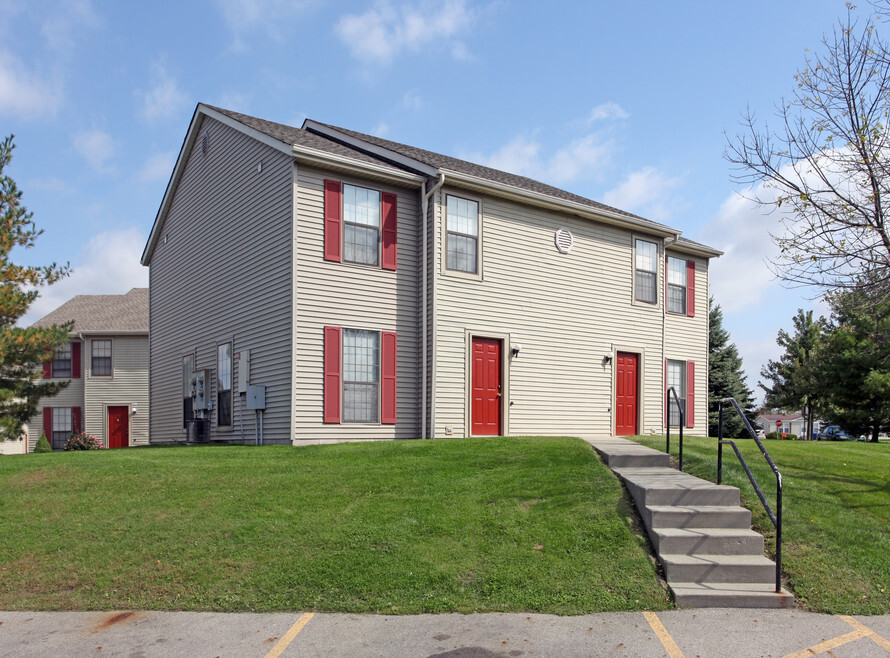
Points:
(564, 240)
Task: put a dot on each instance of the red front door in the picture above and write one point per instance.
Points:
(626, 394)
(118, 427)
(486, 385)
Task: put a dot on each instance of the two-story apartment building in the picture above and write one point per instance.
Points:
(378, 290)
(106, 364)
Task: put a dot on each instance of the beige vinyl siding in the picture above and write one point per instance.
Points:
(222, 271)
(128, 386)
(356, 296)
(567, 311)
(70, 396)
(686, 339)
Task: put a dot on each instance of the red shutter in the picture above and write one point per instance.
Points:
(48, 423)
(76, 420)
(332, 374)
(48, 369)
(390, 231)
(332, 239)
(75, 360)
(690, 288)
(690, 393)
(388, 363)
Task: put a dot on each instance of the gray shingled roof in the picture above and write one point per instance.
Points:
(291, 135)
(105, 313)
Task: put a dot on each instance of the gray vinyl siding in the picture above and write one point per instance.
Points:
(222, 271)
(70, 396)
(355, 296)
(128, 386)
(568, 311)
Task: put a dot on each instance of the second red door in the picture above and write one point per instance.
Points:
(486, 387)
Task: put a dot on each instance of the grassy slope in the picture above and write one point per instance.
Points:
(408, 527)
(836, 548)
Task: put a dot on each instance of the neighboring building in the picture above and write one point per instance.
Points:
(106, 361)
(791, 423)
(377, 290)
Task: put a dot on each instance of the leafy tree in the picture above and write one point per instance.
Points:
(725, 378)
(794, 382)
(21, 350)
(827, 167)
(856, 362)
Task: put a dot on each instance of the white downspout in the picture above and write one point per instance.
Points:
(424, 220)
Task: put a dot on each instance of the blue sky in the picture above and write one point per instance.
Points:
(622, 102)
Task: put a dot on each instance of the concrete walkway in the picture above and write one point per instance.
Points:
(705, 633)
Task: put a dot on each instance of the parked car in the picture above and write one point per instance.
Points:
(833, 433)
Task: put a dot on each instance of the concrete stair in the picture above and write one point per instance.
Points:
(702, 536)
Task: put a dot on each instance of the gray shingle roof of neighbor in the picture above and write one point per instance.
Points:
(102, 313)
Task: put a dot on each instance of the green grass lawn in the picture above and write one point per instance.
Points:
(836, 548)
(396, 527)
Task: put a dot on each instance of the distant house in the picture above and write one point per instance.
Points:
(106, 362)
(790, 423)
(379, 290)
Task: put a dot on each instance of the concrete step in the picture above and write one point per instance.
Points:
(619, 453)
(730, 595)
(696, 516)
(666, 486)
(705, 568)
(710, 541)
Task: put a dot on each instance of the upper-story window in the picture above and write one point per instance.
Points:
(100, 358)
(361, 225)
(676, 274)
(224, 385)
(61, 366)
(462, 235)
(646, 271)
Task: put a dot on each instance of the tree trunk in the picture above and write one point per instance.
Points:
(875, 430)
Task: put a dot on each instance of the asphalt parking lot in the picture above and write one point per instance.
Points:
(673, 633)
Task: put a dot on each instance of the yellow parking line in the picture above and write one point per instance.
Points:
(828, 645)
(290, 635)
(661, 632)
(874, 637)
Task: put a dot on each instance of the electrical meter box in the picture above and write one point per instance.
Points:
(200, 390)
(256, 397)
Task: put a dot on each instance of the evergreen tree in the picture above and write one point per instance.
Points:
(725, 378)
(794, 382)
(856, 362)
(22, 351)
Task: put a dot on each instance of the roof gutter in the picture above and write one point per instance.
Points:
(325, 159)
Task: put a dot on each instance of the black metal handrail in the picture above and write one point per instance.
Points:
(776, 517)
(682, 422)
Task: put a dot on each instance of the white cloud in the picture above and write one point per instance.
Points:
(158, 167)
(608, 110)
(164, 98)
(584, 157)
(385, 30)
(67, 21)
(108, 264)
(268, 16)
(412, 101)
(95, 146)
(646, 192)
(22, 92)
(381, 130)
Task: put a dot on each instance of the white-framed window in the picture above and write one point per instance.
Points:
(61, 427)
(462, 234)
(361, 376)
(646, 271)
(100, 358)
(61, 366)
(224, 385)
(361, 225)
(676, 289)
(676, 377)
(188, 367)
